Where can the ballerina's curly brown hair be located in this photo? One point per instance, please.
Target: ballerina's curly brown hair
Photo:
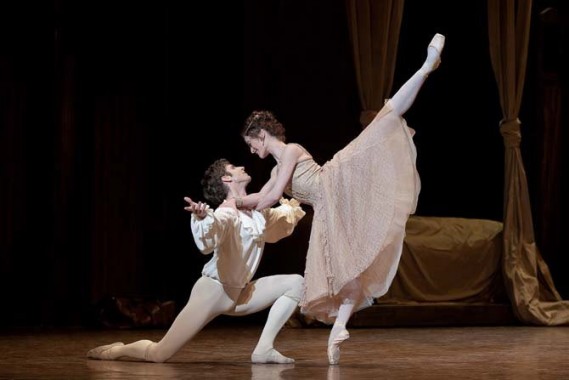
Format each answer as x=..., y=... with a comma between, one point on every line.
x=263, y=120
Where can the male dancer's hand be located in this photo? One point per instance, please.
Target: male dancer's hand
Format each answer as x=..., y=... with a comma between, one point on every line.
x=199, y=209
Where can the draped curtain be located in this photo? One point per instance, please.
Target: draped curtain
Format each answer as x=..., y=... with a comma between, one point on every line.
x=374, y=30
x=551, y=60
x=527, y=277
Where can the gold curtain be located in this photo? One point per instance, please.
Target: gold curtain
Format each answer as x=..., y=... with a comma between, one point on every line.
x=374, y=29
x=527, y=278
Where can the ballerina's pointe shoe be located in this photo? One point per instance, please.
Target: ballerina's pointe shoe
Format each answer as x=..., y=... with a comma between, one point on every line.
x=438, y=42
x=434, y=54
x=334, y=346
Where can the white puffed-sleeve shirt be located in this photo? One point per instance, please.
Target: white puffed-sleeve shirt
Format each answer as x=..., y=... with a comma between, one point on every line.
x=237, y=239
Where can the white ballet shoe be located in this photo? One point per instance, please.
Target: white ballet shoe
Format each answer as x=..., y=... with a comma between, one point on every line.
x=438, y=42
x=434, y=58
x=334, y=346
x=272, y=356
x=101, y=351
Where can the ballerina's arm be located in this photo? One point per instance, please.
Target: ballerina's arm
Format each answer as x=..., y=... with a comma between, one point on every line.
x=273, y=190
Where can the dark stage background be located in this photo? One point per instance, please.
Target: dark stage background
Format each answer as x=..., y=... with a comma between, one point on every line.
x=110, y=112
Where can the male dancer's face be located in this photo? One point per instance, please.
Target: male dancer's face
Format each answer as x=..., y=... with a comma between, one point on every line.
x=238, y=174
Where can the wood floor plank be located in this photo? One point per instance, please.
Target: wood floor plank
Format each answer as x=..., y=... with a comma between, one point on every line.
x=223, y=352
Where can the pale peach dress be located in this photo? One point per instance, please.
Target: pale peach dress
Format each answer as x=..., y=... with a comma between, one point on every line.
x=362, y=199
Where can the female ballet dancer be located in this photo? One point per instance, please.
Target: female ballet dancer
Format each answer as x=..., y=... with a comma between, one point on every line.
x=362, y=199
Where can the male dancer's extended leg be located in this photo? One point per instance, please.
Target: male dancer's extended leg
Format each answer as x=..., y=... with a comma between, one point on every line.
x=207, y=300
x=283, y=292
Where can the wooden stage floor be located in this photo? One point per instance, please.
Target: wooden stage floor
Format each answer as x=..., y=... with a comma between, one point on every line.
x=222, y=352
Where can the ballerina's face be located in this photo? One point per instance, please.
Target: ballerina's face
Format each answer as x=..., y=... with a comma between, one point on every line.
x=257, y=145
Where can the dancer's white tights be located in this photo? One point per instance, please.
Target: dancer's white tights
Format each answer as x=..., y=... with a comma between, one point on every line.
x=338, y=334
x=405, y=96
x=210, y=299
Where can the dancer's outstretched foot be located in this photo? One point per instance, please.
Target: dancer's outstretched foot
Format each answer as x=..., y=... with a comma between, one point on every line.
x=338, y=335
x=438, y=42
x=102, y=352
x=271, y=356
x=434, y=52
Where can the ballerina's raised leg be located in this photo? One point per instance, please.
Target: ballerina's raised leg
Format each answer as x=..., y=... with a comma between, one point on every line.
x=405, y=96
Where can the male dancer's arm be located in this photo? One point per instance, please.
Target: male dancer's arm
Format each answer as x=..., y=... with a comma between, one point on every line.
x=210, y=227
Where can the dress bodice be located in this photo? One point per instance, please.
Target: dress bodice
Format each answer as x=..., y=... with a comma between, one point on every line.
x=305, y=182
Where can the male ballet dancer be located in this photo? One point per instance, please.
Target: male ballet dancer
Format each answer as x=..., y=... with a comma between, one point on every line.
x=237, y=239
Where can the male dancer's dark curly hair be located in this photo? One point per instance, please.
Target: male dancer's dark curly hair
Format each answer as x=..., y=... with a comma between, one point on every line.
x=214, y=190
x=263, y=120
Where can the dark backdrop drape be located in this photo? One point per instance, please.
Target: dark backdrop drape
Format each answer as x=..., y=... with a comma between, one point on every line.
x=104, y=106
